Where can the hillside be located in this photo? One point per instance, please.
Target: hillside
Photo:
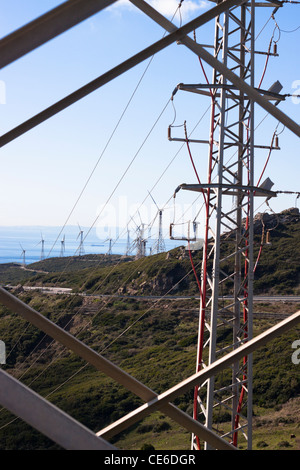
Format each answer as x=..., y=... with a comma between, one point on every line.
x=278, y=270
x=152, y=339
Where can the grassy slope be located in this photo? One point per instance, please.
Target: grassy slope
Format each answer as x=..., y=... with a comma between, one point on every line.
x=159, y=349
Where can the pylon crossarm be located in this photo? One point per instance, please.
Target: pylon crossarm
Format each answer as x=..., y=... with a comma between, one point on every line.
x=229, y=189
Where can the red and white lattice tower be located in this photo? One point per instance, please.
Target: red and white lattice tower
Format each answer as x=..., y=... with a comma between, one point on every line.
x=229, y=194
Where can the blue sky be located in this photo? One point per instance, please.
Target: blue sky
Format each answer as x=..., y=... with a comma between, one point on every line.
x=44, y=171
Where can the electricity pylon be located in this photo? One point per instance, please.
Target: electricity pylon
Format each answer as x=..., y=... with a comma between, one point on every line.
x=159, y=245
x=230, y=174
x=140, y=241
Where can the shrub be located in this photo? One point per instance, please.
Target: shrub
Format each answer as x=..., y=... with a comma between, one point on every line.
x=282, y=444
x=147, y=447
x=143, y=428
x=261, y=444
x=164, y=426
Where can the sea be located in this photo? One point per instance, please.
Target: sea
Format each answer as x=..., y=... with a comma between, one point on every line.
x=26, y=245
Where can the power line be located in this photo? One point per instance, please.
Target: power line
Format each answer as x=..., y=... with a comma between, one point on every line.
x=109, y=140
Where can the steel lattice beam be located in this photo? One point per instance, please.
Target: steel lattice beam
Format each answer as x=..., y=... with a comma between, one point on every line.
x=175, y=35
x=107, y=367
x=47, y=418
x=154, y=401
x=216, y=64
x=161, y=400
x=102, y=80
x=47, y=27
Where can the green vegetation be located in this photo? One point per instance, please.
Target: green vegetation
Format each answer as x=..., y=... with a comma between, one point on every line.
x=154, y=340
x=159, y=349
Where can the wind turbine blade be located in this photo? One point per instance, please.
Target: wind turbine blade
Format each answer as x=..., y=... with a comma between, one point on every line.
x=140, y=217
x=133, y=221
x=153, y=199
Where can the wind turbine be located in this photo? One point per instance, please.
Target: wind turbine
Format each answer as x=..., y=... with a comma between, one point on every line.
x=128, y=245
x=109, y=239
x=80, y=248
x=62, y=247
x=23, y=255
x=43, y=245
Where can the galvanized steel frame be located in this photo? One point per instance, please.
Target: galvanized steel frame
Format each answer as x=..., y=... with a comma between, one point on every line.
x=232, y=121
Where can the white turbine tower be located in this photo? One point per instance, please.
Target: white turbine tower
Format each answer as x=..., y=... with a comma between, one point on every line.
x=128, y=244
x=109, y=239
x=42, y=248
x=80, y=248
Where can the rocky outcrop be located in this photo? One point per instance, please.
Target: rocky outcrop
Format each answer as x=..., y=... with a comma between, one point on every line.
x=271, y=221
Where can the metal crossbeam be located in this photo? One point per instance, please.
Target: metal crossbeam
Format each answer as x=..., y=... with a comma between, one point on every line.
x=153, y=401
x=107, y=367
x=175, y=35
x=160, y=401
x=47, y=27
x=219, y=66
x=47, y=418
